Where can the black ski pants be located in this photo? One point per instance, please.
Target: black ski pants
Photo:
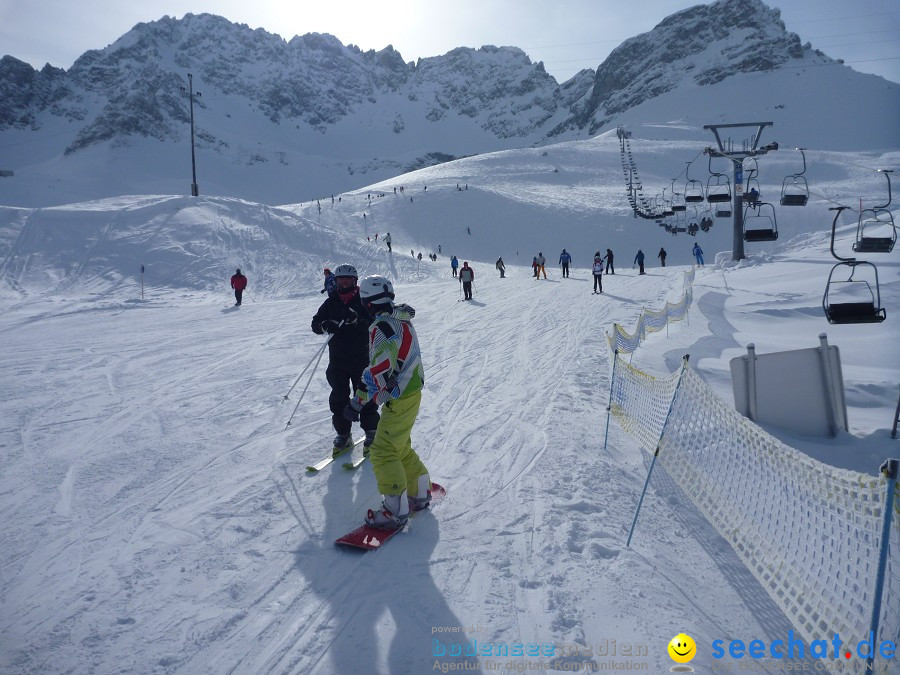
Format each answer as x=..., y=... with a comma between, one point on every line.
x=341, y=378
x=598, y=283
x=565, y=270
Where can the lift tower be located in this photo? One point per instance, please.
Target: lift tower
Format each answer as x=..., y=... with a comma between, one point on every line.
x=750, y=148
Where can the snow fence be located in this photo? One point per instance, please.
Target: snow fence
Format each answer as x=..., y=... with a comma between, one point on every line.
x=810, y=533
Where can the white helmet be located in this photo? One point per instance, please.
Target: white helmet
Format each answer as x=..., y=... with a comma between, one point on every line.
x=346, y=270
x=375, y=289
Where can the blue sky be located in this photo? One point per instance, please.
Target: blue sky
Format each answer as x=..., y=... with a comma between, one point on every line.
x=567, y=35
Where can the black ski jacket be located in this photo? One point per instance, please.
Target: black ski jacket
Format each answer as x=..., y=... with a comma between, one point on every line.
x=350, y=345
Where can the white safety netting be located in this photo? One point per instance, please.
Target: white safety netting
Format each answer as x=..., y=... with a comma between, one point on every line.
x=651, y=321
x=810, y=533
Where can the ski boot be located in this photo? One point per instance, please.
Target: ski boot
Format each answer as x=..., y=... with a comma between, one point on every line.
x=390, y=516
x=423, y=498
x=370, y=438
x=341, y=443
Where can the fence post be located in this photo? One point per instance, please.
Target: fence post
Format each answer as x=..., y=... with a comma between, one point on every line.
x=889, y=469
x=612, y=383
x=662, y=433
x=751, y=382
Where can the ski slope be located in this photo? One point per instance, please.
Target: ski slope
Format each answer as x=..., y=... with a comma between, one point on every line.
x=154, y=508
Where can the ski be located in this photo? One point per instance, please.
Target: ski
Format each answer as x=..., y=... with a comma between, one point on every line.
x=318, y=466
x=370, y=538
x=356, y=462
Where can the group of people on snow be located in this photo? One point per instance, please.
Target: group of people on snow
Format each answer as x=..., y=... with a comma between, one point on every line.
x=374, y=360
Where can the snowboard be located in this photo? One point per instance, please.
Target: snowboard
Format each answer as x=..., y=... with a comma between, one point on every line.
x=370, y=538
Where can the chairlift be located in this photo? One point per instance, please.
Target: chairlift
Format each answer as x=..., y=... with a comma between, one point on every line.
x=678, y=202
x=723, y=211
x=693, y=189
x=760, y=223
x=718, y=186
x=794, y=188
x=876, y=232
x=752, y=189
x=851, y=300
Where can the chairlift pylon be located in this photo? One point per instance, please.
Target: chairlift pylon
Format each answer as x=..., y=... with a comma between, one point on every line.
x=857, y=302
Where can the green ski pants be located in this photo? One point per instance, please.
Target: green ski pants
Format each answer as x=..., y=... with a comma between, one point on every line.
x=396, y=465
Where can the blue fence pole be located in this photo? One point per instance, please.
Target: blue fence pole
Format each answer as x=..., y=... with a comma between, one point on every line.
x=656, y=452
x=889, y=469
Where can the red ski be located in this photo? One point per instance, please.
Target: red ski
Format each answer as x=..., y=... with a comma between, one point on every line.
x=370, y=538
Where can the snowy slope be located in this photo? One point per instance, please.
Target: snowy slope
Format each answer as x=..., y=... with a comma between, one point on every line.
x=156, y=515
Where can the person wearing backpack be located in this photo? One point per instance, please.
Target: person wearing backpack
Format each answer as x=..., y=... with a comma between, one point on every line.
x=598, y=273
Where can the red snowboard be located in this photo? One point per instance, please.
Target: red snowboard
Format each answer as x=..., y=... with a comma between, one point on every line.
x=370, y=538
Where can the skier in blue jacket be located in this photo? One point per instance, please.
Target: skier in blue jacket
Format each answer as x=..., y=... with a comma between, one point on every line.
x=564, y=259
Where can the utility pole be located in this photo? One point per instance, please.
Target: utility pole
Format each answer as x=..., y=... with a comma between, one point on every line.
x=751, y=149
x=195, y=190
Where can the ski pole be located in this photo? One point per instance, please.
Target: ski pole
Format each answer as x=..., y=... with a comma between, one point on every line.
x=321, y=349
x=303, y=393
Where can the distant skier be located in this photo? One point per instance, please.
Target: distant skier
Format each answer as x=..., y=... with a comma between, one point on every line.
x=598, y=272
x=394, y=377
x=639, y=259
x=419, y=256
x=348, y=350
x=609, y=261
x=387, y=240
x=564, y=259
x=698, y=254
x=534, y=267
x=238, y=283
x=501, y=267
x=541, y=261
x=466, y=277
x=454, y=263
x=662, y=256
x=330, y=284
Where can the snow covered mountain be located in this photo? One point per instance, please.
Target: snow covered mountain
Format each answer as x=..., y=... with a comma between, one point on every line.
x=281, y=121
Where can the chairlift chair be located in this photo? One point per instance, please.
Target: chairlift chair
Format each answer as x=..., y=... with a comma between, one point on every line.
x=678, y=202
x=760, y=223
x=856, y=302
x=874, y=222
x=693, y=191
x=794, y=188
x=851, y=300
x=876, y=232
x=752, y=189
x=718, y=189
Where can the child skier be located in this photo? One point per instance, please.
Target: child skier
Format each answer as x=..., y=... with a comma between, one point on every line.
x=394, y=378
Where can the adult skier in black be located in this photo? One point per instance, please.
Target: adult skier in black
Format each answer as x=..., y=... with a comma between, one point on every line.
x=348, y=354
x=609, y=261
x=662, y=256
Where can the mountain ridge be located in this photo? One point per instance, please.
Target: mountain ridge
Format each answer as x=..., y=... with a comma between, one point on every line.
x=328, y=117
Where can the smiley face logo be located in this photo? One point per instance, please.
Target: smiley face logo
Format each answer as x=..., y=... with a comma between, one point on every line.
x=682, y=648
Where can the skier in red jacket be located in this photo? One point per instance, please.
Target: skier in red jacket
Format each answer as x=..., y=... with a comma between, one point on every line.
x=238, y=283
